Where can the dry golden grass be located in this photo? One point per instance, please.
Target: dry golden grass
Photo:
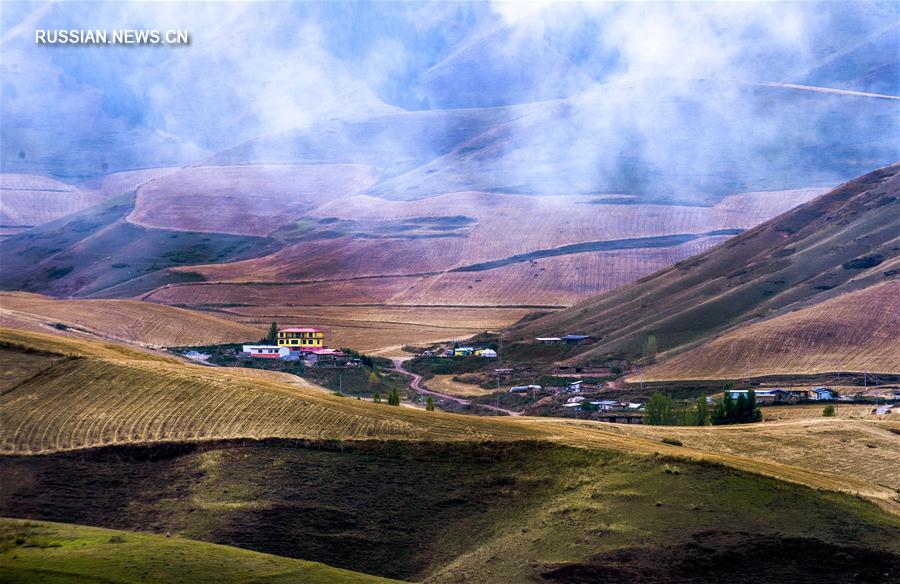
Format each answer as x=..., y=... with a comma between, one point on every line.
x=446, y=384
x=852, y=332
x=865, y=450
x=124, y=320
x=16, y=367
x=814, y=411
x=117, y=394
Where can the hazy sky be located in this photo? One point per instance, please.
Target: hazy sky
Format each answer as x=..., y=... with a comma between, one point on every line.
x=258, y=68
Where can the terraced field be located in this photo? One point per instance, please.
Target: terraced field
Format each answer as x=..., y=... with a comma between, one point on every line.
x=554, y=281
x=113, y=394
x=853, y=332
x=124, y=320
x=499, y=226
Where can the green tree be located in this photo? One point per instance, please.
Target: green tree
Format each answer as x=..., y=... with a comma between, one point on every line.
x=650, y=348
x=376, y=398
x=394, y=397
x=724, y=412
x=373, y=378
x=753, y=412
x=429, y=404
x=701, y=412
x=740, y=411
x=659, y=411
x=828, y=412
x=272, y=335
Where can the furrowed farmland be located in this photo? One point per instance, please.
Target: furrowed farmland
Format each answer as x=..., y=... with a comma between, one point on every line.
x=136, y=322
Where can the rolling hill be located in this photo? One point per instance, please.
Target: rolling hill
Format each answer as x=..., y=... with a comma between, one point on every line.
x=856, y=331
x=95, y=394
x=131, y=321
x=36, y=551
x=214, y=454
x=842, y=241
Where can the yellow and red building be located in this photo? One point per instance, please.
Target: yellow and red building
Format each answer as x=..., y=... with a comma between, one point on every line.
x=298, y=337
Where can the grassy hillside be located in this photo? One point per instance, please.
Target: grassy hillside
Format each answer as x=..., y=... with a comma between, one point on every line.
x=461, y=512
x=856, y=331
x=842, y=241
x=123, y=320
x=37, y=551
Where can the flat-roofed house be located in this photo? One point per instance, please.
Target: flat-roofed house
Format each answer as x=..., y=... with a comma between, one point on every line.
x=300, y=336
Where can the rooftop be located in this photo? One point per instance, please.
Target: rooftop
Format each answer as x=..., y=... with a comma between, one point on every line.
x=300, y=329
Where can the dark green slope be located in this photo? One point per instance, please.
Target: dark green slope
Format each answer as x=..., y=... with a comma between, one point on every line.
x=477, y=512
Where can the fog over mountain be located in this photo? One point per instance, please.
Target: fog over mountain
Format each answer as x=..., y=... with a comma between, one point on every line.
x=642, y=98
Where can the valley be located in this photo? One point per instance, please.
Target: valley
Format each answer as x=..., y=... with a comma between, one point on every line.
x=450, y=293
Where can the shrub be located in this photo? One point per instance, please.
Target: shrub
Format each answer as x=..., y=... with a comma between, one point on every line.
x=828, y=412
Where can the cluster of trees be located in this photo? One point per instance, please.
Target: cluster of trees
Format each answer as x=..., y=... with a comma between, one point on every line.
x=662, y=410
x=393, y=397
x=742, y=410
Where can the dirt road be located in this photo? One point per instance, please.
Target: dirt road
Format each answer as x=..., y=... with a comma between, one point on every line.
x=417, y=384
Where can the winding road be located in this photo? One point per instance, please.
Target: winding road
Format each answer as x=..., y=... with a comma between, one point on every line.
x=417, y=384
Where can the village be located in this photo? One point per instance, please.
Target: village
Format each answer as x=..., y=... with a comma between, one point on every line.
x=593, y=393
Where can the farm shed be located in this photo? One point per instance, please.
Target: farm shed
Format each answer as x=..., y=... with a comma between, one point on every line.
x=778, y=395
x=821, y=393
x=264, y=351
x=548, y=340
x=577, y=339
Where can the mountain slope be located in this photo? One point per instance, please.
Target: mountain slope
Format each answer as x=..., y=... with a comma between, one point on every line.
x=856, y=331
x=845, y=240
